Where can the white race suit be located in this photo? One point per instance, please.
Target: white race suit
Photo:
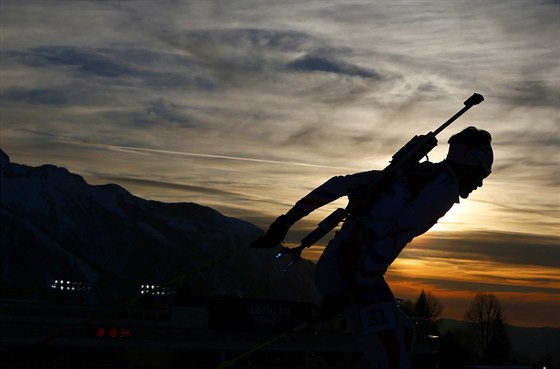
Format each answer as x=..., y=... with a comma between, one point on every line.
x=366, y=245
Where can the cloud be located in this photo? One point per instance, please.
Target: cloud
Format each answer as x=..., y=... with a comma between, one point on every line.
x=128, y=66
x=312, y=63
x=38, y=96
x=258, y=64
x=170, y=185
x=504, y=247
x=504, y=262
x=160, y=110
x=264, y=58
x=484, y=285
x=240, y=47
x=340, y=84
x=535, y=93
x=220, y=157
x=83, y=60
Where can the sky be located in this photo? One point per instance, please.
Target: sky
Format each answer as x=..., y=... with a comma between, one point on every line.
x=246, y=106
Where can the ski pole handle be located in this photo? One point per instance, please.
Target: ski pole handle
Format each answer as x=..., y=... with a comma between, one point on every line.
x=324, y=227
x=295, y=252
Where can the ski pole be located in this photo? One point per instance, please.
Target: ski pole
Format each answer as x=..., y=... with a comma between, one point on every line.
x=261, y=346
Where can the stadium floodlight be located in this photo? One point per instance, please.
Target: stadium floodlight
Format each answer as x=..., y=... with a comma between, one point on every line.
x=67, y=285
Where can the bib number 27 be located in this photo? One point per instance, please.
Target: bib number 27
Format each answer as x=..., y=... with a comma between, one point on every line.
x=378, y=317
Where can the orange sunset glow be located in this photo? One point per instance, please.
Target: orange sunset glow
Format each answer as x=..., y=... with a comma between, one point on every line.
x=456, y=280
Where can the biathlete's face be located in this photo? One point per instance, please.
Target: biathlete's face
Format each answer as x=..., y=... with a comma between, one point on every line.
x=471, y=179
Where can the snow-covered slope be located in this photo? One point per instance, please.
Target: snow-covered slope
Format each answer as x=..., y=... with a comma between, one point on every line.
x=55, y=226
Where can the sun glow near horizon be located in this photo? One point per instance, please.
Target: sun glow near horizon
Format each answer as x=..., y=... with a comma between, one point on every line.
x=446, y=264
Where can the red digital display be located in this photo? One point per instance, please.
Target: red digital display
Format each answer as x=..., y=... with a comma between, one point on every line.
x=112, y=332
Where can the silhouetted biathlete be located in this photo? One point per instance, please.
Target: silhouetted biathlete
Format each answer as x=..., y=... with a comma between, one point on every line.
x=350, y=272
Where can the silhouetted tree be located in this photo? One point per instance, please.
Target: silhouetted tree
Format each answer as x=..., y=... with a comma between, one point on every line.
x=486, y=317
x=454, y=352
x=499, y=348
x=428, y=306
x=407, y=307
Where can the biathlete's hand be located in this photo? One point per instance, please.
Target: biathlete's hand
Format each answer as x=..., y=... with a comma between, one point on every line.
x=275, y=234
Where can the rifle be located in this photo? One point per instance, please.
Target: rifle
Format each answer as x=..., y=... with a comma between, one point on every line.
x=407, y=156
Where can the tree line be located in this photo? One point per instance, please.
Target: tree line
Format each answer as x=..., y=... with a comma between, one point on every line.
x=484, y=340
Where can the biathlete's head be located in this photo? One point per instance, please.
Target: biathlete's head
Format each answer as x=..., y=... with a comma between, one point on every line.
x=470, y=156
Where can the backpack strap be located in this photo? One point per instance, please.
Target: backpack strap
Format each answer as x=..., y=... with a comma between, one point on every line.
x=420, y=176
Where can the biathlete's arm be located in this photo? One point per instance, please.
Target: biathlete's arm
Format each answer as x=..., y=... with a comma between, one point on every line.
x=329, y=191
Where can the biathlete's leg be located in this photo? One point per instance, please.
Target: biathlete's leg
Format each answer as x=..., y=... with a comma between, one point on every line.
x=384, y=348
x=408, y=331
x=327, y=276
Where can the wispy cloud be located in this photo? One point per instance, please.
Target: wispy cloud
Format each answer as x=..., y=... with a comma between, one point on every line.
x=505, y=247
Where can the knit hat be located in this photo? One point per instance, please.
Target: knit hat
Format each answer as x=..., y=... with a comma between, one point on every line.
x=468, y=155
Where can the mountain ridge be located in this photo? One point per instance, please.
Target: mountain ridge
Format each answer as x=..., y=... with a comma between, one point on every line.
x=62, y=228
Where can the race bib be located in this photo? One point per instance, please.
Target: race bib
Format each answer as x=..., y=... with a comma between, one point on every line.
x=378, y=317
